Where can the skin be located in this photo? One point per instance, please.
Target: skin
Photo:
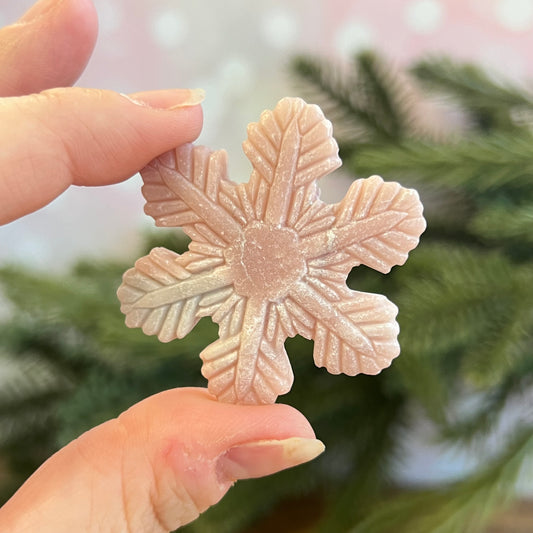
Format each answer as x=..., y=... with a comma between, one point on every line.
x=170, y=457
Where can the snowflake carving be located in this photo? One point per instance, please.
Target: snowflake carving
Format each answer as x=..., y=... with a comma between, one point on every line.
x=269, y=260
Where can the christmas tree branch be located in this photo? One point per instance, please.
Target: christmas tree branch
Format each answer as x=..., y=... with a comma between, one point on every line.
x=464, y=506
x=478, y=165
x=490, y=102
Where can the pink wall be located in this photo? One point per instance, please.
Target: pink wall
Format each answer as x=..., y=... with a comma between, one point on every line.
x=238, y=50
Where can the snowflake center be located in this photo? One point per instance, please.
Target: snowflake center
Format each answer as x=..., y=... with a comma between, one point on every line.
x=266, y=261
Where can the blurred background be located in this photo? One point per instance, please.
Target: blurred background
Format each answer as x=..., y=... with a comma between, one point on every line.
x=240, y=52
x=433, y=93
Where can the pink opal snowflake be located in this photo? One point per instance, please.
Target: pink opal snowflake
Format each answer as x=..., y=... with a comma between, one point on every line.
x=269, y=260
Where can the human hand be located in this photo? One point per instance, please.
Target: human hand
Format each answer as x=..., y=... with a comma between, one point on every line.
x=53, y=136
x=170, y=457
x=158, y=465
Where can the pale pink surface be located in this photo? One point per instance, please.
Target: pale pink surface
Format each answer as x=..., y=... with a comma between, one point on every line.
x=238, y=52
x=496, y=33
x=269, y=260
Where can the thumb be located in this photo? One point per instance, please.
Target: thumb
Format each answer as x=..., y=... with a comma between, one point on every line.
x=159, y=465
x=80, y=136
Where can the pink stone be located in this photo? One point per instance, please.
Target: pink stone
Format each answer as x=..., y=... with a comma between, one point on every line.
x=269, y=260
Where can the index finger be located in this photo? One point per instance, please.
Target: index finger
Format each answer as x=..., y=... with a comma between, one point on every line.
x=85, y=137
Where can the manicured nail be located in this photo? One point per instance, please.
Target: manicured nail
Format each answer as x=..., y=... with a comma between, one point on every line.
x=167, y=99
x=195, y=97
x=257, y=459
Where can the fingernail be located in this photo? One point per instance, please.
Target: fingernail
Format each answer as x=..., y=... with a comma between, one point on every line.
x=257, y=459
x=195, y=97
x=167, y=99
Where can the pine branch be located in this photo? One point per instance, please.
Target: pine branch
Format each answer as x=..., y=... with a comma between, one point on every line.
x=353, y=100
x=57, y=299
x=59, y=347
x=464, y=506
x=451, y=299
x=490, y=102
x=471, y=428
x=382, y=94
x=171, y=238
x=502, y=223
x=27, y=377
x=80, y=313
x=502, y=162
x=457, y=298
x=373, y=456
x=22, y=421
x=507, y=342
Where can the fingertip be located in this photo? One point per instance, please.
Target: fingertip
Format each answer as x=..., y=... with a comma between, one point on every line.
x=83, y=29
x=49, y=46
x=226, y=424
x=70, y=32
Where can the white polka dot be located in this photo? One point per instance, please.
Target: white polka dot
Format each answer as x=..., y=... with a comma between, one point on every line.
x=110, y=16
x=169, y=28
x=235, y=76
x=424, y=16
x=279, y=28
x=354, y=37
x=515, y=15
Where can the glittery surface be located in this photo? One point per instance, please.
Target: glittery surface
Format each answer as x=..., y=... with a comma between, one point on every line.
x=269, y=260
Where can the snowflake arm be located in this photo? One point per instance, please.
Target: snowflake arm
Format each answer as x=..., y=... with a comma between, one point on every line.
x=377, y=224
x=354, y=332
x=289, y=148
x=165, y=292
x=183, y=188
x=245, y=365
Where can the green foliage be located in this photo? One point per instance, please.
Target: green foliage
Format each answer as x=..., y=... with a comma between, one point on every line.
x=464, y=506
x=365, y=104
x=489, y=102
x=70, y=363
x=480, y=166
x=466, y=316
x=466, y=294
